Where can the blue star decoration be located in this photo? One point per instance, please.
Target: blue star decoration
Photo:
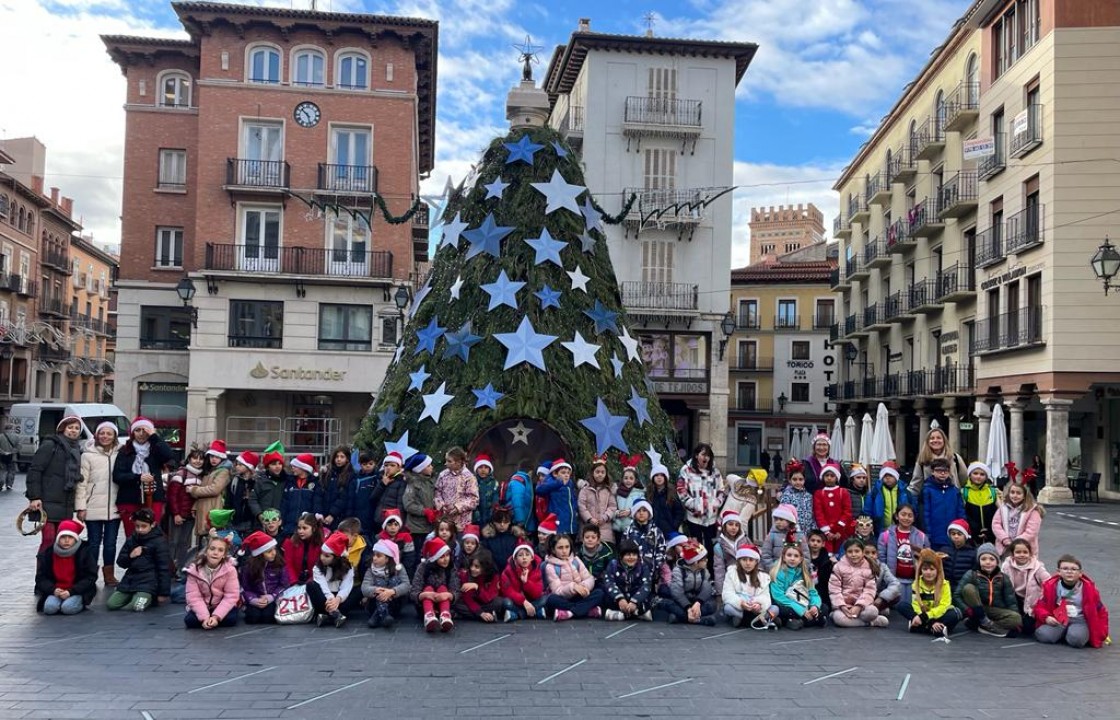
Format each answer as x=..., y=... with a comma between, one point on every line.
x=640, y=406
x=418, y=378
x=386, y=420
x=487, y=237
x=419, y=298
x=502, y=291
x=606, y=428
x=487, y=397
x=546, y=248
x=426, y=338
x=522, y=150
x=592, y=218
x=548, y=297
x=560, y=151
x=560, y=193
x=437, y=207
x=460, y=342
x=495, y=189
x=604, y=318
x=401, y=446
x=434, y=402
x=617, y=365
x=525, y=345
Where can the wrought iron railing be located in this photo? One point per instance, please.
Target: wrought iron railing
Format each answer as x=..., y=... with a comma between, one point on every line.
x=245, y=172
x=642, y=110
x=1009, y=331
x=660, y=295
x=347, y=178
x=331, y=262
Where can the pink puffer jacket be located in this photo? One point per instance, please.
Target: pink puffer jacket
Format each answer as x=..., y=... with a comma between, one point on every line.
x=851, y=584
x=215, y=596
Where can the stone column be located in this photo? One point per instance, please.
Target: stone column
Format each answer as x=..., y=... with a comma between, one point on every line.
x=922, y=406
x=1057, y=490
x=984, y=422
x=899, y=432
x=1015, y=445
x=954, y=428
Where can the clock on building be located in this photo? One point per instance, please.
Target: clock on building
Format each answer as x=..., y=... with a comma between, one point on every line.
x=307, y=114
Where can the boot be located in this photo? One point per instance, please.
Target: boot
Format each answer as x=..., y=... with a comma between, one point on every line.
x=107, y=576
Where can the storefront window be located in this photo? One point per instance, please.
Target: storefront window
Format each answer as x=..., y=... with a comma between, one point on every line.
x=345, y=327
x=748, y=445
x=256, y=324
x=655, y=354
x=682, y=357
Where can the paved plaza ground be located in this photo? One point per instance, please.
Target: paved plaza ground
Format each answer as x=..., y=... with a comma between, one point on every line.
x=123, y=666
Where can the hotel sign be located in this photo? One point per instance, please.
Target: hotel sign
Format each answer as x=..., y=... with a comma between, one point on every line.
x=278, y=372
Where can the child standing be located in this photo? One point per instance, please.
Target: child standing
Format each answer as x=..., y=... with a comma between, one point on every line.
x=66, y=572
x=519, y=498
x=489, y=490
x=1070, y=609
x=360, y=490
x=746, y=591
x=268, y=489
x=1018, y=516
x=571, y=586
x=597, y=504
x=832, y=508
x=331, y=589
x=480, y=596
x=791, y=589
x=388, y=493
x=301, y=550
x=181, y=507
x=857, y=489
x=821, y=562
x=628, y=493
x=960, y=556
x=593, y=552
x=456, y=493
x=336, y=486
x=980, y=499
x=795, y=495
x=931, y=607
x=385, y=586
x=745, y=492
x=691, y=588
x=986, y=597
x=1027, y=575
x=221, y=525
x=647, y=535
x=302, y=494
x=212, y=588
x=500, y=537
x=560, y=492
x=852, y=590
x=523, y=585
x=941, y=502
x=888, y=589
x=420, y=495
x=727, y=543
x=628, y=584
x=783, y=531
x=899, y=545
x=668, y=512
x=147, y=563
x=263, y=579
x=885, y=497
x=436, y=586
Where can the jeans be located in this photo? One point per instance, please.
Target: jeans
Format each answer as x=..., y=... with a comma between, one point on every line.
x=257, y=615
x=70, y=606
x=103, y=534
x=707, y=609
x=519, y=610
x=578, y=606
x=193, y=623
x=7, y=471
x=179, y=541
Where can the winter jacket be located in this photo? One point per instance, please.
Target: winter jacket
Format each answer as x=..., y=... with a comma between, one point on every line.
x=336, y=493
x=596, y=563
x=238, y=493
x=275, y=579
x=358, y=552
x=500, y=545
x=268, y=491
x=561, y=502
x=405, y=543
x=489, y=490
x=419, y=494
x=888, y=588
x=178, y=501
x=736, y=591
x=562, y=576
x=46, y=480
x=851, y=585
x=300, y=496
x=96, y=492
x=635, y=584
x=787, y=590
x=690, y=585
x=85, y=574
x=398, y=582
x=597, y=506
x=150, y=572
x=332, y=583
x=359, y=502
x=941, y=505
x=924, y=602
x=1030, y=523
x=650, y=541
x=995, y=590
x=859, y=500
x=742, y=497
x=1027, y=581
x=957, y=562
x=803, y=501
x=888, y=547
x=215, y=596
x=723, y=557
x=518, y=591
x=813, y=468
x=456, y=496
x=702, y=493
x=128, y=482
x=388, y=497
x=668, y=516
x=519, y=496
x=832, y=513
x=625, y=502
x=433, y=575
x=980, y=504
x=484, y=594
x=208, y=495
x=876, y=504
x=1096, y=614
x=821, y=565
x=300, y=558
x=958, y=471
x=772, y=547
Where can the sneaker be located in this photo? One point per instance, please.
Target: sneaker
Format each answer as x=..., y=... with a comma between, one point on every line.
x=388, y=621
x=707, y=621
x=990, y=628
x=375, y=621
x=562, y=615
x=795, y=623
x=430, y=622
x=320, y=619
x=614, y=616
x=511, y=616
x=140, y=604
x=881, y=621
x=672, y=619
x=339, y=619
x=595, y=613
x=647, y=616
x=445, y=622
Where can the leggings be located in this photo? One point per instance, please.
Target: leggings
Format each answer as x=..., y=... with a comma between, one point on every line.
x=866, y=615
x=430, y=607
x=193, y=623
x=1076, y=634
x=260, y=616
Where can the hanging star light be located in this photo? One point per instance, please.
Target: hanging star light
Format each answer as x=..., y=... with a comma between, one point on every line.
x=487, y=397
x=502, y=291
x=582, y=351
x=560, y=193
x=522, y=150
x=401, y=446
x=487, y=237
x=434, y=403
x=452, y=231
x=459, y=343
x=579, y=280
x=606, y=428
x=630, y=343
x=640, y=406
x=426, y=338
x=548, y=297
x=604, y=319
x=520, y=433
x=495, y=189
x=418, y=378
x=525, y=345
x=386, y=419
x=546, y=249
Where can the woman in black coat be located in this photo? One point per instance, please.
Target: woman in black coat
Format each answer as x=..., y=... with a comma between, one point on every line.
x=53, y=477
x=140, y=464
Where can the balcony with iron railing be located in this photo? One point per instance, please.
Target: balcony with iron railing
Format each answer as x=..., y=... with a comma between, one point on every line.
x=28, y=288
x=672, y=205
x=878, y=191
x=950, y=380
x=963, y=107
x=842, y=226
x=352, y=263
x=571, y=124
x=923, y=219
x=347, y=179
x=989, y=246
x=663, y=296
x=748, y=321
x=1024, y=230
x=959, y=195
x=787, y=323
x=875, y=253
x=923, y=298
x=929, y=139
x=896, y=306
x=54, y=307
x=86, y=322
x=1028, y=135
x=56, y=259
x=748, y=405
x=854, y=269
x=956, y=282
x=992, y=165
x=853, y=325
x=46, y=353
x=258, y=175
x=903, y=167
x=858, y=210
x=837, y=280
x=1014, y=330
x=746, y=362
x=824, y=320
x=874, y=317
x=685, y=116
x=835, y=332
x=898, y=236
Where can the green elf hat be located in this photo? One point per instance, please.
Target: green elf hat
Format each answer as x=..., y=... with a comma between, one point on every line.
x=277, y=447
x=270, y=514
x=219, y=519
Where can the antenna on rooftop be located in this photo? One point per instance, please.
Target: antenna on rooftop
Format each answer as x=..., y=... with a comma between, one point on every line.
x=651, y=20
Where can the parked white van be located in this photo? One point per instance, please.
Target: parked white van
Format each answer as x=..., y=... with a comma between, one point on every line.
x=34, y=421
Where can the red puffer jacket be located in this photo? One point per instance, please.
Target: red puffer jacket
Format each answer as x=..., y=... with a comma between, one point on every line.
x=486, y=592
x=516, y=590
x=1096, y=614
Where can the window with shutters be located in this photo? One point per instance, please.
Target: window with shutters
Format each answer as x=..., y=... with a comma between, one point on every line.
x=660, y=169
x=657, y=261
x=662, y=83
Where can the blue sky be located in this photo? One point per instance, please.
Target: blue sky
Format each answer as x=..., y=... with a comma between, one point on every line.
x=825, y=73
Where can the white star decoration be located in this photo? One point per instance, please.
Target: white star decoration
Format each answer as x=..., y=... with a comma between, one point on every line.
x=452, y=231
x=401, y=446
x=560, y=193
x=579, y=280
x=582, y=351
x=495, y=189
x=630, y=343
x=520, y=433
x=456, y=287
x=654, y=456
x=434, y=402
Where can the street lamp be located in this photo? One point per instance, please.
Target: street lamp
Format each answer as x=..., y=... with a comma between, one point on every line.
x=185, y=290
x=782, y=400
x=727, y=327
x=1105, y=264
x=401, y=298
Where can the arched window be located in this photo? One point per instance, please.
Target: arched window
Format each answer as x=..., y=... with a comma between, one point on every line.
x=912, y=136
x=941, y=111
x=889, y=169
x=264, y=64
x=352, y=72
x=309, y=68
x=175, y=90
x=972, y=81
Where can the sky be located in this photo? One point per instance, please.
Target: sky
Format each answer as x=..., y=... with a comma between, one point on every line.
x=825, y=72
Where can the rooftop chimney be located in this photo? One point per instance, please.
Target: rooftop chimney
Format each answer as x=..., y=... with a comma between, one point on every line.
x=584, y=25
x=68, y=206
x=54, y=196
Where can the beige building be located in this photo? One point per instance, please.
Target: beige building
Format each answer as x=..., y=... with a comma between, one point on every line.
x=92, y=336
x=964, y=279
x=784, y=230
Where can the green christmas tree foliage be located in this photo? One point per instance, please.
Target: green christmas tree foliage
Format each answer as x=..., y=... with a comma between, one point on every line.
x=454, y=379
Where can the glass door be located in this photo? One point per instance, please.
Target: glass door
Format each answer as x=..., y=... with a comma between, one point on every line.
x=263, y=159
x=352, y=171
x=348, y=255
x=260, y=248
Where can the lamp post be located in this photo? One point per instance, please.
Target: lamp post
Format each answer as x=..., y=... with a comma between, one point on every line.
x=727, y=327
x=185, y=290
x=401, y=298
x=1105, y=263
x=782, y=400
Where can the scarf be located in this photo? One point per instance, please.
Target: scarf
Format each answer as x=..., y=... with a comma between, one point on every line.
x=73, y=461
x=140, y=463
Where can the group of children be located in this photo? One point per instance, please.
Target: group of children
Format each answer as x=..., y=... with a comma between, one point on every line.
x=383, y=541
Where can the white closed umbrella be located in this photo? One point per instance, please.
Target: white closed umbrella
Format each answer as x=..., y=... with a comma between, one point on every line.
x=802, y=443
x=794, y=444
x=867, y=431
x=837, y=439
x=849, y=452
x=997, y=444
x=882, y=449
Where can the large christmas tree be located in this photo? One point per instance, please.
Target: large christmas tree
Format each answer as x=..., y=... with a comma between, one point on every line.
x=517, y=344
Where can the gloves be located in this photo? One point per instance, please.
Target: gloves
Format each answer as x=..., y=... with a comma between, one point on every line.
x=431, y=515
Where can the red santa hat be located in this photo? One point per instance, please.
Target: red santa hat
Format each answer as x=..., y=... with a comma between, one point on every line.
x=560, y=463
x=305, y=462
x=389, y=549
x=434, y=549
x=730, y=515
x=389, y=514
x=272, y=457
x=747, y=550
x=550, y=525
x=960, y=525
x=70, y=528
x=335, y=544
x=523, y=546
x=831, y=467
x=693, y=552
x=483, y=460
x=249, y=459
x=258, y=543
x=470, y=531
x=393, y=457
x=142, y=422
x=217, y=449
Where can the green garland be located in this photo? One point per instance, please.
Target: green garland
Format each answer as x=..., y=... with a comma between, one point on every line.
x=354, y=212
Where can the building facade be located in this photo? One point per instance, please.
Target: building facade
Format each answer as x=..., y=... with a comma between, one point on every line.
x=784, y=230
x=655, y=117
x=93, y=340
x=780, y=359
x=1004, y=184
x=253, y=151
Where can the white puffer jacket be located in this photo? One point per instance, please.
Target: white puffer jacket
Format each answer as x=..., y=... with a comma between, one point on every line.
x=736, y=591
x=96, y=492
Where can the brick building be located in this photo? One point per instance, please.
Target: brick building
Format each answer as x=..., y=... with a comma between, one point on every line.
x=784, y=230
x=293, y=323
x=92, y=336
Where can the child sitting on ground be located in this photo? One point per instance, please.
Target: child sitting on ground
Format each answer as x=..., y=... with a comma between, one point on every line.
x=212, y=589
x=822, y=563
x=435, y=586
x=1027, y=575
x=783, y=531
x=147, y=563
x=264, y=577
x=301, y=550
x=986, y=597
x=480, y=596
x=593, y=552
x=66, y=572
x=523, y=585
x=573, y=591
x=664, y=576
x=852, y=590
x=791, y=589
x=691, y=588
x=628, y=584
x=746, y=591
x=1070, y=608
x=960, y=556
x=888, y=589
x=331, y=589
x=385, y=585
x=931, y=607
x=357, y=551
x=501, y=536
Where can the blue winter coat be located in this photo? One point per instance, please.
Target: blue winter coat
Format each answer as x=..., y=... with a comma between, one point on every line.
x=667, y=516
x=335, y=496
x=958, y=562
x=562, y=502
x=360, y=502
x=874, y=504
x=297, y=500
x=941, y=505
x=519, y=495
